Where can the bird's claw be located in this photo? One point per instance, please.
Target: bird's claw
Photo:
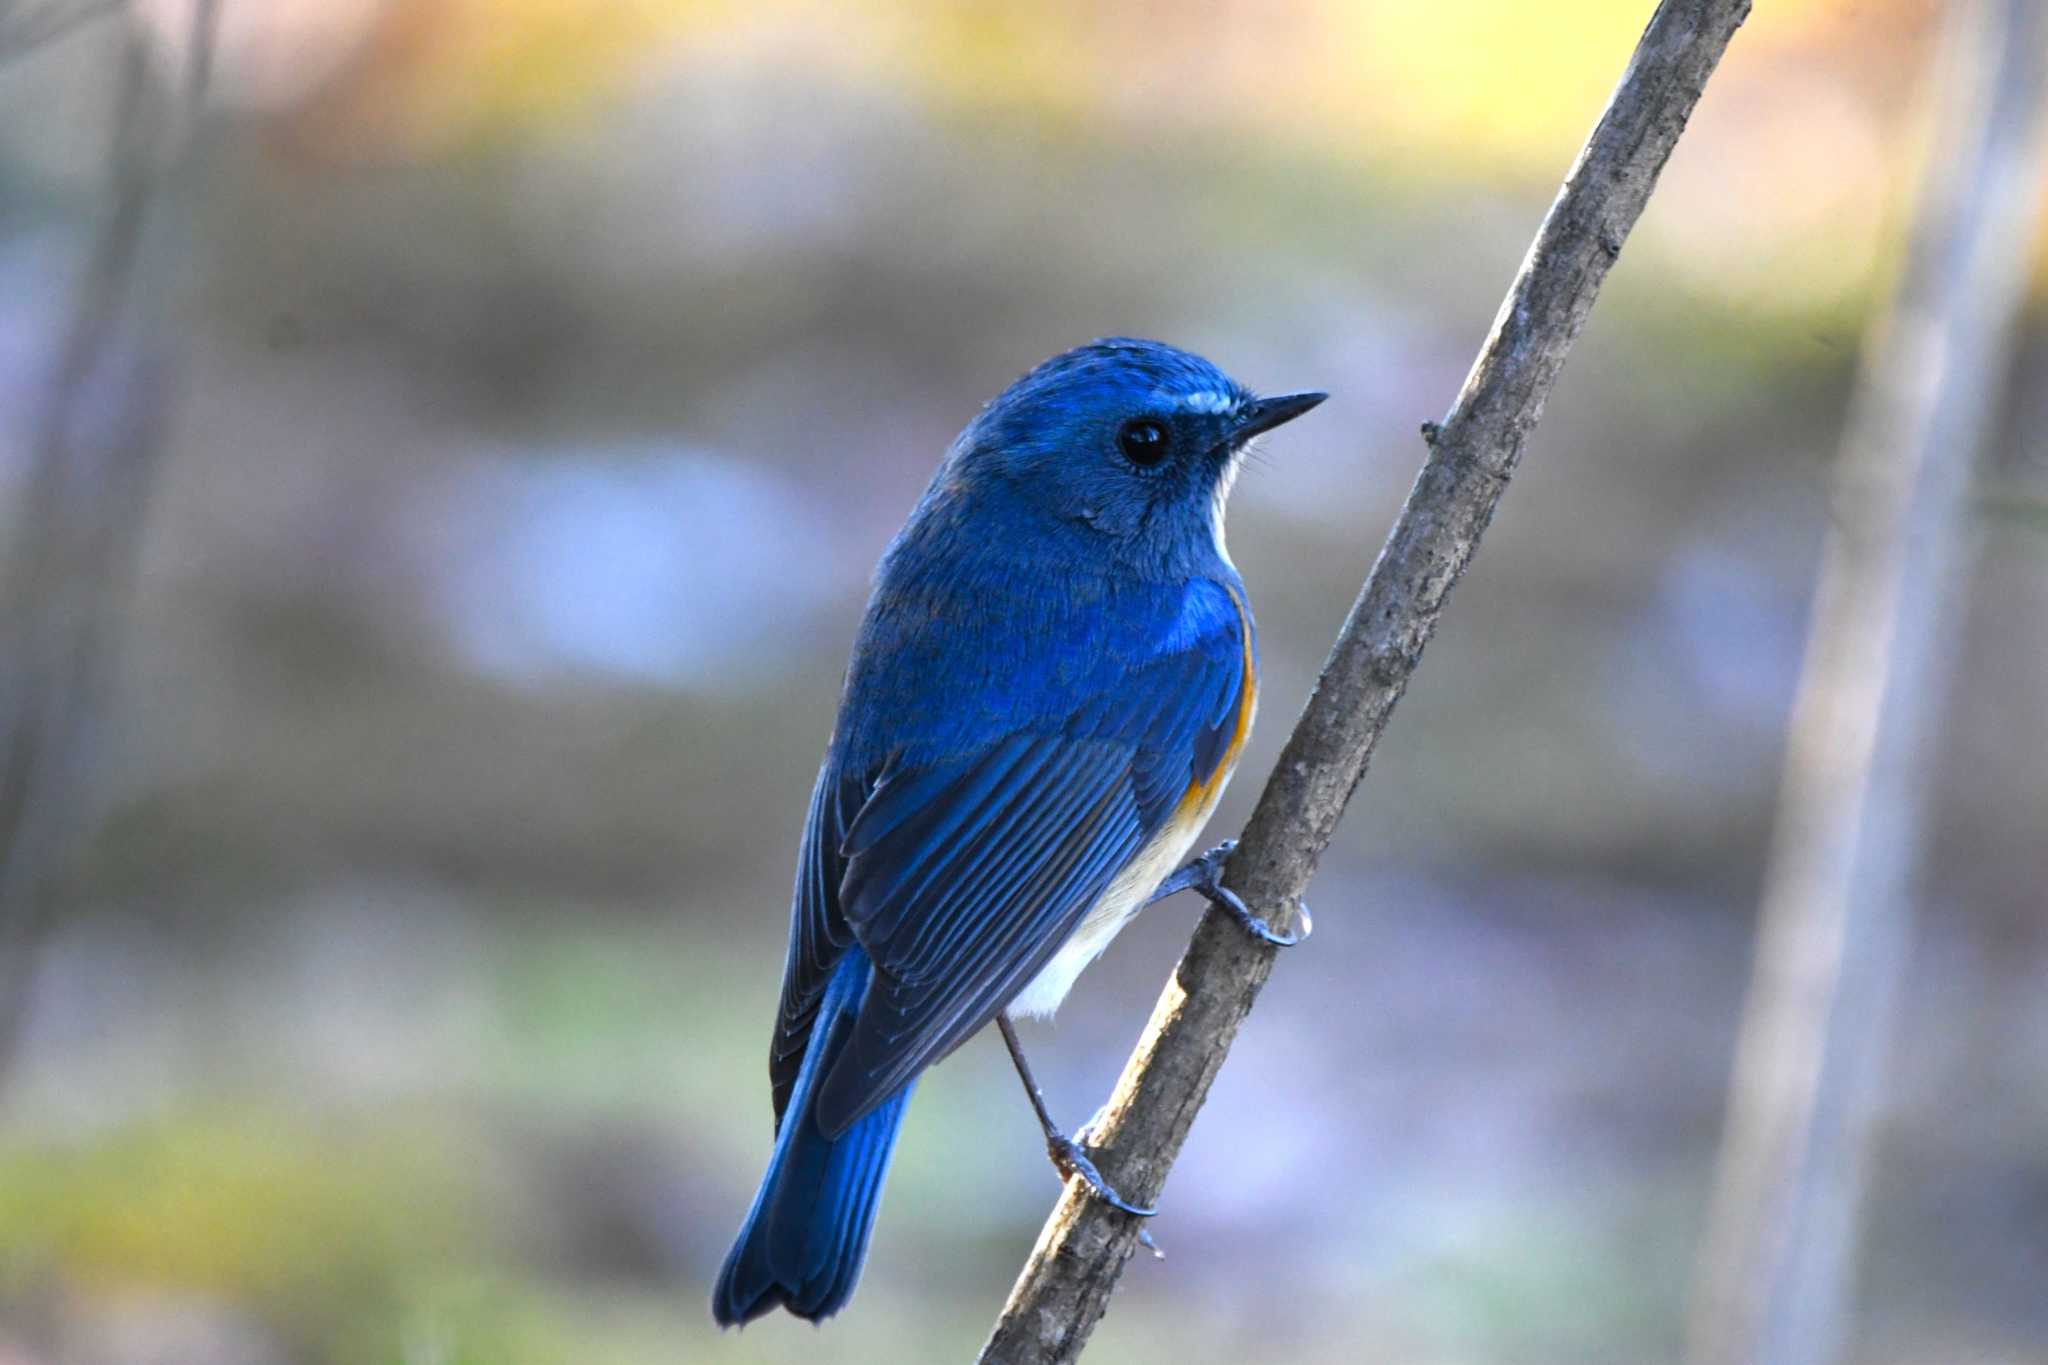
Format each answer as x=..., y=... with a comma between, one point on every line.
x=1252, y=924
x=1084, y=1136
x=1071, y=1160
x=1205, y=875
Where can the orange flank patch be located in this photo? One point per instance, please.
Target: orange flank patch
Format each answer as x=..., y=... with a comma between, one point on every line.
x=1201, y=797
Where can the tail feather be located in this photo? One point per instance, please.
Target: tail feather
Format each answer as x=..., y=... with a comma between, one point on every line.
x=806, y=1235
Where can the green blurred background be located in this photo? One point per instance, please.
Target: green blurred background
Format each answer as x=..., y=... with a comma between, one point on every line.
x=551, y=375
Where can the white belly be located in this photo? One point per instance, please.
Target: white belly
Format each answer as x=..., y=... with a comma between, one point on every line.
x=1111, y=911
x=1153, y=864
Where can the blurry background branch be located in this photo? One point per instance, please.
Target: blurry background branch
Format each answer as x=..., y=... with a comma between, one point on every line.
x=78, y=529
x=1853, y=820
x=24, y=28
x=1065, y=1286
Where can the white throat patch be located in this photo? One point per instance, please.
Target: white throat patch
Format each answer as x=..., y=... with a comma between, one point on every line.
x=1219, y=502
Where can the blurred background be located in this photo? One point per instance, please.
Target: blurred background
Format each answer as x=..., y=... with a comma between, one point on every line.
x=538, y=382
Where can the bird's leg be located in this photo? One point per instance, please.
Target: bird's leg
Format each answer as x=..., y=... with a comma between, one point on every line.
x=1068, y=1158
x=1205, y=875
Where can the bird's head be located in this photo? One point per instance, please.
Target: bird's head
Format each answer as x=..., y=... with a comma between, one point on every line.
x=1133, y=441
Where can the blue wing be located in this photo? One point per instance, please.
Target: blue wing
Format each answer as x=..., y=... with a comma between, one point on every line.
x=961, y=878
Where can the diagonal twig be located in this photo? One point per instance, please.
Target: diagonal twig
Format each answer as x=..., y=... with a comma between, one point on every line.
x=1064, y=1288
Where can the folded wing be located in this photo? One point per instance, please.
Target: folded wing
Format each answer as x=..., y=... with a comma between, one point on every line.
x=960, y=879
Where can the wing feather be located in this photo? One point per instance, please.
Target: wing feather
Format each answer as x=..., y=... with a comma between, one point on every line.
x=818, y=934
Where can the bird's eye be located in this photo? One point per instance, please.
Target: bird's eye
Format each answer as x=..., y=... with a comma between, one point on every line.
x=1144, y=442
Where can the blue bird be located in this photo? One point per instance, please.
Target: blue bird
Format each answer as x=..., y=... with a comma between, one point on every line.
x=1053, y=681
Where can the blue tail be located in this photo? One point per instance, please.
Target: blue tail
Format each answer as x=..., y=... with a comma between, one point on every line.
x=802, y=1245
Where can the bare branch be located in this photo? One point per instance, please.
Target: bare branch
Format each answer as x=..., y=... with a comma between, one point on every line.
x=1778, y=1266
x=1065, y=1286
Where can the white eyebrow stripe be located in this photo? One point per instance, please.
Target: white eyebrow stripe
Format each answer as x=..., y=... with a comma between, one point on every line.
x=1208, y=400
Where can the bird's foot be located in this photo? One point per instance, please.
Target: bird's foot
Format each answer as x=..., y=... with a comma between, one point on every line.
x=1205, y=876
x=1084, y=1137
x=1070, y=1159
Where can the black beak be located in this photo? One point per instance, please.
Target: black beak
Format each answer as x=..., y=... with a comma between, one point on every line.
x=1263, y=414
